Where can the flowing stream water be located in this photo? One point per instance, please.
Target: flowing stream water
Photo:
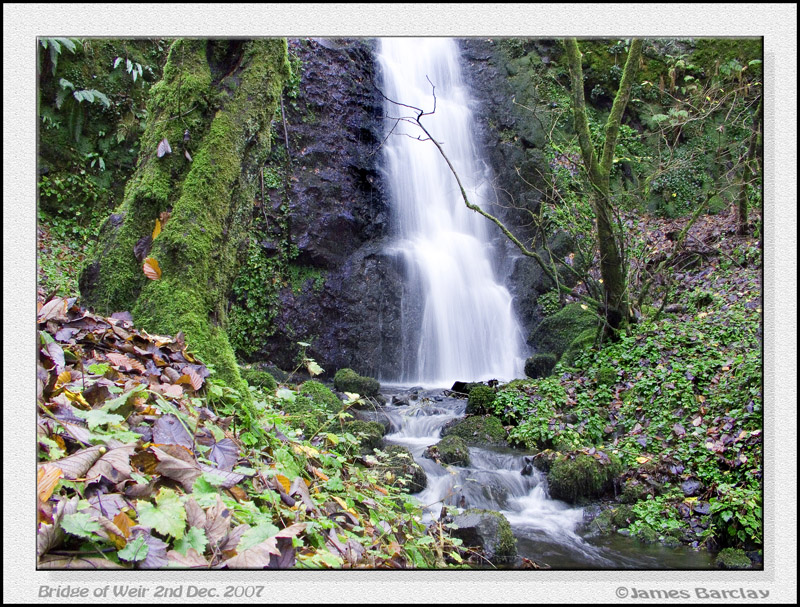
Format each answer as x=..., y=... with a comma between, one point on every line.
x=459, y=322
x=548, y=531
x=465, y=325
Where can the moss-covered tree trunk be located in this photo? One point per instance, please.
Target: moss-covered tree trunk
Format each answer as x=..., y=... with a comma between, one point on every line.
x=599, y=170
x=214, y=106
x=748, y=173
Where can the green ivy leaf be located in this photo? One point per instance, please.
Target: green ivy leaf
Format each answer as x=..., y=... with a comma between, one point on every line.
x=194, y=538
x=135, y=550
x=256, y=535
x=168, y=517
x=80, y=524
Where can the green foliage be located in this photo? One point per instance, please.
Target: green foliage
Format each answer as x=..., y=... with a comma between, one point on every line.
x=549, y=302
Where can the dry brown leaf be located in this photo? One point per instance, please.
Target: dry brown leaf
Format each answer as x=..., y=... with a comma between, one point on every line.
x=256, y=557
x=126, y=362
x=185, y=473
x=192, y=560
x=218, y=521
x=115, y=465
x=51, y=535
x=75, y=466
x=55, y=309
x=77, y=562
x=151, y=268
x=195, y=516
x=124, y=524
x=292, y=530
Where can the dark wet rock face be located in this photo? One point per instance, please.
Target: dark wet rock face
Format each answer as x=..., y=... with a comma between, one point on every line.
x=337, y=218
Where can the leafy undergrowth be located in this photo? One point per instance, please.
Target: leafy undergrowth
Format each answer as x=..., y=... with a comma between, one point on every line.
x=63, y=242
x=145, y=461
x=678, y=399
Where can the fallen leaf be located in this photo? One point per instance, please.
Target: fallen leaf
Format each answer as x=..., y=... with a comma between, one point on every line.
x=151, y=268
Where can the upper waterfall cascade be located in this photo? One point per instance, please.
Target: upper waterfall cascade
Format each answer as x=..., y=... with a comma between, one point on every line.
x=468, y=329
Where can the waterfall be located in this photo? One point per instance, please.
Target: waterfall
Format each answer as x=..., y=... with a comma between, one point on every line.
x=458, y=319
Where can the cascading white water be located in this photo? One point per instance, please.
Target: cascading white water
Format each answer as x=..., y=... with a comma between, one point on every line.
x=467, y=329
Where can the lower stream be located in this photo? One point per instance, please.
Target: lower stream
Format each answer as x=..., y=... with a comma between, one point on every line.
x=548, y=531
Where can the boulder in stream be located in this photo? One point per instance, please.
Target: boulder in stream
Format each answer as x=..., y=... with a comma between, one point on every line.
x=450, y=450
x=478, y=430
x=397, y=463
x=491, y=532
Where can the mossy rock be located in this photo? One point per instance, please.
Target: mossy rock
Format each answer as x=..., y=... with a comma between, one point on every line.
x=478, y=430
x=450, y=450
x=623, y=515
x=577, y=477
x=584, y=341
x=543, y=460
x=258, y=378
x=369, y=434
x=556, y=333
x=396, y=465
x=347, y=380
x=733, y=558
x=540, y=365
x=490, y=531
x=647, y=535
x=480, y=399
x=322, y=395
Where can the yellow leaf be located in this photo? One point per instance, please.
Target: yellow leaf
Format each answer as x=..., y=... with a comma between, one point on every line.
x=642, y=460
x=63, y=378
x=157, y=229
x=151, y=269
x=309, y=451
x=690, y=500
x=47, y=479
x=341, y=502
x=701, y=398
x=77, y=397
x=285, y=482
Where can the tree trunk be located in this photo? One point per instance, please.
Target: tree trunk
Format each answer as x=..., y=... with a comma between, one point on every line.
x=214, y=106
x=611, y=263
x=748, y=174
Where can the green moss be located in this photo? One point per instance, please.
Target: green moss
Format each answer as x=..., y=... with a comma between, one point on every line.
x=321, y=395
x=578, y=477
x=347, y=380
x=480, y=399
x=492, y=532
x=307, y=415
x=478, y=429
x=451, y=449
x=256, y=377
x=584, y=341
x=709, y=52
x=540, y=365
x=557, y=332
x=210, y=198
x=647, y=535
x=733, y=558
